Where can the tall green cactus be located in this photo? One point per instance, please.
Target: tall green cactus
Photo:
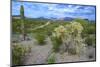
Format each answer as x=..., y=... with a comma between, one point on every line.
x=22, y=22
x=22, y=12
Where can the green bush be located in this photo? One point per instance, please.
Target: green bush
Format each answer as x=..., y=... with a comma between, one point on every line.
x=18, y=52
x=51, y=59
x=90, y=40
x=90, y=29
x=40, y=38
x=56, y=43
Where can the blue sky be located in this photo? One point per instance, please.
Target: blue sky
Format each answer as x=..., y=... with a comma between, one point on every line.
x=35, y=10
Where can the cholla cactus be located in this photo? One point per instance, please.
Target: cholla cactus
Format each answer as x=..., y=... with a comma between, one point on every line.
x=74, y=30
x=58, y=37
x=59, y=32
x=74, y=27
x=69, y=29
x=70, y=35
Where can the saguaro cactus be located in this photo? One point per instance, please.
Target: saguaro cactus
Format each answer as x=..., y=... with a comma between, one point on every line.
x=22, y=22
x=22, y=11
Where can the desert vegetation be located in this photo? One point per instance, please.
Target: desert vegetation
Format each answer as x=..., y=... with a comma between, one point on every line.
x=18, y=53
x=51, y=39
x=72, y=37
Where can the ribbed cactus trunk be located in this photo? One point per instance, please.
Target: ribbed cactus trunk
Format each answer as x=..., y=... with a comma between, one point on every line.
x=22, y=22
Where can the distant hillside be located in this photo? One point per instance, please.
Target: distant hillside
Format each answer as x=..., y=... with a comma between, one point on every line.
x=51, y=18
x=16, y=16
x=67, y=19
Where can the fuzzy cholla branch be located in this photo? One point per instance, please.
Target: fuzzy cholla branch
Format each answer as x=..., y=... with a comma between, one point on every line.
x=59, y=32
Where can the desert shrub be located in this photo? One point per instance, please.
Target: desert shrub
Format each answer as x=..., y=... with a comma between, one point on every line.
x=16, y=26
x=89, y=27
x=56, y=43
x=88, y=30
x=51, y=59
x=18, y=53
x=40, y=38
x=90, y=40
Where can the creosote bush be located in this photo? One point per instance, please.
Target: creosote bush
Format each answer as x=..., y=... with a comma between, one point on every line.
x=90, y=41
x=56, y=43
x=40, y=38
